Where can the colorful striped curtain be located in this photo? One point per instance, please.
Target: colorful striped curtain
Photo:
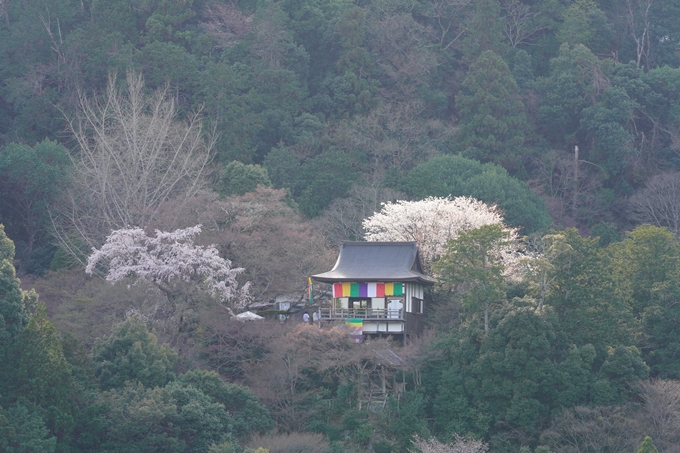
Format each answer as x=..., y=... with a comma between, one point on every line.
x=354, y=289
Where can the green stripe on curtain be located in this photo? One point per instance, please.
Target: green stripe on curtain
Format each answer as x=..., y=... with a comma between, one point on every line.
x=354, y=290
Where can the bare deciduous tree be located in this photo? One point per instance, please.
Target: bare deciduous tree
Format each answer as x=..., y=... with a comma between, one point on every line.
x=599, y=429
x=520, y=23
x=133, y=154
x=271, y=41
x=287, y=379
x=226, y=23
x=395, y=134
x=450, y=17
x=571, y=191
x=661, y=413
x=659, y=202
x=260, y=232
x=621, y=428
x=342, y=221
x=639, y=25
x=459, y=445
x=282, y=381
x=403, y=53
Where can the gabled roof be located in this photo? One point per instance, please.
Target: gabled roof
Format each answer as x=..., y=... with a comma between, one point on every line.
x=248, y=316
x=376, y=262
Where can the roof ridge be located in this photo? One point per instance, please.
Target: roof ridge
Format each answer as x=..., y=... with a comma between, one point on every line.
x=377, y=261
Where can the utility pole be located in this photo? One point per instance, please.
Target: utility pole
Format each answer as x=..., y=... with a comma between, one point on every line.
x=575, y=202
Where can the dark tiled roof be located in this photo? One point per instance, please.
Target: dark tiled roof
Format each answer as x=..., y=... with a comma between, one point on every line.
x=376, y=262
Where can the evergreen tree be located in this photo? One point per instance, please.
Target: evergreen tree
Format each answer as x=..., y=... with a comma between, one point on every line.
x=474, y=263
x=326, y=177
x=606, y=124
x=170, y=419
x=569, y=89
x=283, y=168
x=522, y=372
x=647, y=446
x=644, y=265
x=238, y=178
x=492, y=119
x=484, y=31
x=663, y=34
x=457, y=176
x=13, y=301
x=248, y=414
x=508, y=374
x=522, y=70
x=582, y=295
x=41, y=373
x=30, y=178
x=132, y=353
x=15, y=306
x=352, y=91
x=23, y=430
x=584, y=23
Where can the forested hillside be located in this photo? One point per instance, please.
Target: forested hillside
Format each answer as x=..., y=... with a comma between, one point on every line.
x=279, y=127
x=331, y=97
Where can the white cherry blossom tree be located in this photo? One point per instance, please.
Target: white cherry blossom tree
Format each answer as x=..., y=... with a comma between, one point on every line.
x=172, y=262
x=431, y=223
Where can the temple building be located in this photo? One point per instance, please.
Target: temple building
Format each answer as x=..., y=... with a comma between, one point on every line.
x=379, y=287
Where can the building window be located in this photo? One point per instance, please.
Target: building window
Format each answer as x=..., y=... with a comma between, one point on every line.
x=418, y=306
x=395, y=307
x=358, y=302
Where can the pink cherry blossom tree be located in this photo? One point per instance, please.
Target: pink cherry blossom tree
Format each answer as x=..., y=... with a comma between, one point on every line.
x=431, y=223
x=173, y=263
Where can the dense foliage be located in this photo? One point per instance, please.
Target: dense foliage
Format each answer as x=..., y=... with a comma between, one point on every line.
x=327, y=95
x=285, y=126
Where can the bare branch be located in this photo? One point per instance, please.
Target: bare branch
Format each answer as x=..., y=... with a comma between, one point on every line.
x=47, y=23
x=225, y=23
x=519, y=23
x=133, y=155
x=450, y=18
x=638, y=21
x=659, y=202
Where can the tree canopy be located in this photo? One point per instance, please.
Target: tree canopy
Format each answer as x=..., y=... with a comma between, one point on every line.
x=458, y=176
x=549, y=127
x=431, y=223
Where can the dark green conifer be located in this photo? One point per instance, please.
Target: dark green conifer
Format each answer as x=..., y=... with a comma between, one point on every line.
x=492, y=121
x=41, y=373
